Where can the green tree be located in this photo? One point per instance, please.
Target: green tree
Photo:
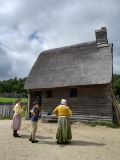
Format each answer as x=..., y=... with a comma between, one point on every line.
x=14, y=85
x=116, y=85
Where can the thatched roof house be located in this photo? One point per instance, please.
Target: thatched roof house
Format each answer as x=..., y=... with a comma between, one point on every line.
x=80, y=73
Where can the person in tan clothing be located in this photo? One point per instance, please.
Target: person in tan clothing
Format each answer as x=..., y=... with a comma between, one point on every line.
x=16, y=123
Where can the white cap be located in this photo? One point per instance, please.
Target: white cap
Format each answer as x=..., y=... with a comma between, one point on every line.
x=63, y=101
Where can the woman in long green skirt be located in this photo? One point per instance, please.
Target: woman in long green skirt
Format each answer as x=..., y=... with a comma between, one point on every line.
x=63, y=112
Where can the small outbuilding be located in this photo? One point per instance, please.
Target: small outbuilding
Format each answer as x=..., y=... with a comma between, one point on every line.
x=80, y=73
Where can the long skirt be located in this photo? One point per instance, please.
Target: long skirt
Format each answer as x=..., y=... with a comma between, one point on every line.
x=16, y=123
x=64, y=130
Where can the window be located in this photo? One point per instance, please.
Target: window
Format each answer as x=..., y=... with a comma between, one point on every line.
x=73, y=92
x=49, y=94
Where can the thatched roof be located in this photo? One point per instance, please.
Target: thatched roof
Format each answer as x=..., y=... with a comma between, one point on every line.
x=81, y=64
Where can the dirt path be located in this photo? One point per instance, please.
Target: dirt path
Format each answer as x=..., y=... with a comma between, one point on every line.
x=89, y=143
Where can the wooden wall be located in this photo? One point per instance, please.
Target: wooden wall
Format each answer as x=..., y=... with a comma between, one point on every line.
x=92, y=102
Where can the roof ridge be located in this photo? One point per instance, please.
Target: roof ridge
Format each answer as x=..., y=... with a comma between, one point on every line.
x=69, y=46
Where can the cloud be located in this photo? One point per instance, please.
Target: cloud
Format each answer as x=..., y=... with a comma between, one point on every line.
x=5, y=65
x=28, y=27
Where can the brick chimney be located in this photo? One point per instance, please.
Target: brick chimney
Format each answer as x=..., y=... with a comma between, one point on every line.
x=101, y=37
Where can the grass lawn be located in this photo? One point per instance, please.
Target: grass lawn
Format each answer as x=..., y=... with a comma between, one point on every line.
x=3, y=99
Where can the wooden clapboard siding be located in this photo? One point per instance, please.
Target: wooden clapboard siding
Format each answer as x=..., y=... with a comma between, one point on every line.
x=91, y=101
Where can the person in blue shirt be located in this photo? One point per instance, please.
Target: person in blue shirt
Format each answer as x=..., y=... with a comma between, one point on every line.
x=34, y=118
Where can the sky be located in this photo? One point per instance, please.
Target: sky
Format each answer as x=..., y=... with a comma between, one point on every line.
x=28, y=27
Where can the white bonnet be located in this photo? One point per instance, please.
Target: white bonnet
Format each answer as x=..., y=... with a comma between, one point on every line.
x=63, y=101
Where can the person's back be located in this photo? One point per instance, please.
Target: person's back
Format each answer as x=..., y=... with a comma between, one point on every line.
x=62, y=110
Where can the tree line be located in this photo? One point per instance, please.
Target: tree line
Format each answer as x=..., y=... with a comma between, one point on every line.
x=116, y=85
x=15, y=86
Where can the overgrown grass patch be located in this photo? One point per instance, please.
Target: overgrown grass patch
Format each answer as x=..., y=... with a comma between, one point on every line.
x=5, y=118
x=102, y=123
